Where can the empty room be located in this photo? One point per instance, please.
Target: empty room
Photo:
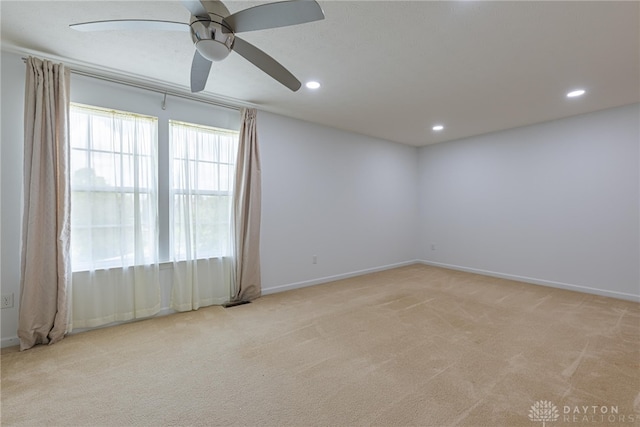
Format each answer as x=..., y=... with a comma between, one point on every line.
x=320, y=213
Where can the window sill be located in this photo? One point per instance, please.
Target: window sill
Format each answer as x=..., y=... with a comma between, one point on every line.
x=163, y=265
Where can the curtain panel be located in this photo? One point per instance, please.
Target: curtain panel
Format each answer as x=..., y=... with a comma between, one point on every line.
x=45, y=268
x=246, y=211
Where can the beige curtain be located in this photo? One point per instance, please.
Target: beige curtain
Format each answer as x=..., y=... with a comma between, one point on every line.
x=246, y=209
x=45, y=268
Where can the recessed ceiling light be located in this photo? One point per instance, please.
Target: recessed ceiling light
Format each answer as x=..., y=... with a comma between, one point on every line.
x=313, y=85
x=438, y=128
x=576, y=93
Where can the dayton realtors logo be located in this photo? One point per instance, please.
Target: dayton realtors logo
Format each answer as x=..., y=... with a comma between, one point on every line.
x=545, y=411
x=596, y=414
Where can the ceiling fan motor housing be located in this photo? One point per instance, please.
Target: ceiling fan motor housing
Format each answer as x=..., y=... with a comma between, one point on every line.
x=212, y=38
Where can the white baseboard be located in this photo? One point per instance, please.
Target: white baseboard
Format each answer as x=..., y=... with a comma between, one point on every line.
x=327, y=279
x=12, y=341
x=9, y=342
x=542, y=282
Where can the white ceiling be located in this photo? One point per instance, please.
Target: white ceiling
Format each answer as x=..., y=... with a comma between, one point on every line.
x=389, y=69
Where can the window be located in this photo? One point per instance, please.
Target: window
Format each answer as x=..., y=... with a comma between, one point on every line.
x=113, y=188
x=115, y=177
x=202, y=170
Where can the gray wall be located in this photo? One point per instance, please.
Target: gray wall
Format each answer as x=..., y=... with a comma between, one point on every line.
x=555, y=203
x=348, y=199
x=11, y=116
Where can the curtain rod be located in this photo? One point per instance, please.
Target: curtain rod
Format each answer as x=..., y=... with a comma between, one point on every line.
x=151, y=88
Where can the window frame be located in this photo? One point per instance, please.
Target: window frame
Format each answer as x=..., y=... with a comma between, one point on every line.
x=198, y=192
x=163, y=179
x=90, y=151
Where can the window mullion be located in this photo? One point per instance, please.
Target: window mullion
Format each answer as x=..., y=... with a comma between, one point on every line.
x=165, y=173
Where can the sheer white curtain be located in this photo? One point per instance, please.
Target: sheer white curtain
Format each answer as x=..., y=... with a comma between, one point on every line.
x=202, y=170
x=114, y=218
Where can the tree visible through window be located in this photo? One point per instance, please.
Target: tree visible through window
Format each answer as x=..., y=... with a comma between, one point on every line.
x=114, y=188
x=202, y=172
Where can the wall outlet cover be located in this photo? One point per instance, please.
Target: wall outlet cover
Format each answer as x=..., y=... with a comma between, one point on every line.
x=6, y=301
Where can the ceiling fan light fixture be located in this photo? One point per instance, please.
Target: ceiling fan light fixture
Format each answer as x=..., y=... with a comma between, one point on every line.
x=312, y=85
x=438, y=128
x=213, y=50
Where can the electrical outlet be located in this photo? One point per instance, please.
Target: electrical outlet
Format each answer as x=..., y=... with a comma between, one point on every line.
x=314, y=260
x=7, y=301
x=433, y=247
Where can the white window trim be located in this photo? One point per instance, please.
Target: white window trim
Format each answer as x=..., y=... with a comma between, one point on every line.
x=163, y=166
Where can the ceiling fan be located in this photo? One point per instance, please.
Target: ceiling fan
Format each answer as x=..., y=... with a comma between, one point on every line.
x=213, y=31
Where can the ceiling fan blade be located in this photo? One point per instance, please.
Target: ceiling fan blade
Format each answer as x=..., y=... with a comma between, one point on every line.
x=130, y=24
x=273, y=15
x=266, y=63
x=200, y=68
x=196, y=8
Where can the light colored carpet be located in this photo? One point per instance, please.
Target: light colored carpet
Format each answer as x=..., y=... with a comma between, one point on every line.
x=416, y=345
